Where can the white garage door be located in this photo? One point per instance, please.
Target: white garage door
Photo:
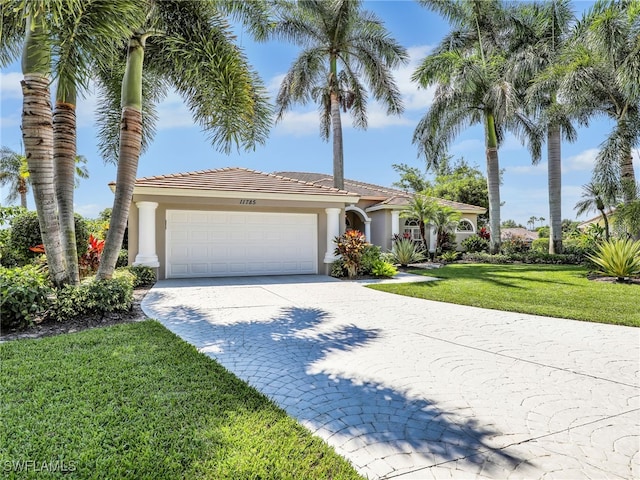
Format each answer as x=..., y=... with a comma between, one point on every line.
x=215, y=244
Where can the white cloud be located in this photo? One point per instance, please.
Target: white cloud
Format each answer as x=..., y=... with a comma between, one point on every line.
x=467, y=146
x=539, y=169
x=173, y=113
x=299, y=123
x=580, y=162
x=10, y=85
x=414, y=97
x=90, y=210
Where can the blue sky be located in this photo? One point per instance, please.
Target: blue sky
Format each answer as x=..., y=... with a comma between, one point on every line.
x=295, y=144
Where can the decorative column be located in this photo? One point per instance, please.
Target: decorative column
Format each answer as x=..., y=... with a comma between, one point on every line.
x=333, y=231
x=395, y=223
x=147, y=235
x=433, y=239
x=367, y=230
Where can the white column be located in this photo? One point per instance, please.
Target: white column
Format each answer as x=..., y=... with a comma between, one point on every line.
x=333, y=230
x=147, y=235
x=395, y=223
x=432, y=239
x=367, y=230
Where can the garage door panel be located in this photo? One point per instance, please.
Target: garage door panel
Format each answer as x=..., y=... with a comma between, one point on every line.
x=211, y=243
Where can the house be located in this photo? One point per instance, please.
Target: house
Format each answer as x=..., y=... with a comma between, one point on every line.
x=518, y=232
x=597, y=220
x=239, y=222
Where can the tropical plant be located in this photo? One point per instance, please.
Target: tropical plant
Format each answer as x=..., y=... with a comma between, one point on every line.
x=626, y=219
x=90, y=260
x=595, y=198
x=24, y=295
x=444, y=220
x=344, y=49
x=514, y=244
x=618, y=258
x=421, y=208
x=190, y=46
x=540, y=36
x=405, y=251
x=599, y=76
x=469, y=71
x=450, y=256
x=383, y=269
x=14, y=173
x=350, y=246
x=475, y=243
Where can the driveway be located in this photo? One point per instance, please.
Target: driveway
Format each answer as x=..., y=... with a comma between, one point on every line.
x=410, y=388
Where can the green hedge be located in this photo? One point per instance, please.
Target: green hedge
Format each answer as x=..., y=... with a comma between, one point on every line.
x=25, y=295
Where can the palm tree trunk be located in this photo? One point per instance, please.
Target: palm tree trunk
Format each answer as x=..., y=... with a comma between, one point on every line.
x=129, y=154
x=628, y=178
x=64, y=154
x=554, y=161
x=37, y=134
x=605, y=219
x=493, y=182
x=338, y=149
x=22, y=190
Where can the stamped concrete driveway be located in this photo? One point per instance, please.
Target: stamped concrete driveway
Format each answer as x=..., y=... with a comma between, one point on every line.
x=409, y=388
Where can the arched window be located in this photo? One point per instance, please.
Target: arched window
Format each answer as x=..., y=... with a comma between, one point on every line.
x=465, y=226
x=412, y=227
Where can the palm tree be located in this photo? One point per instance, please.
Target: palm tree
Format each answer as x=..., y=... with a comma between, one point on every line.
x=595, y=197
x=14, y=172
x=599, y=76
x=540, y=37
x=421, y=208
x=532, y=222
x=190, y=46
x=469, y=70
x=444, y=219
x=76, y=30
x=343, y=46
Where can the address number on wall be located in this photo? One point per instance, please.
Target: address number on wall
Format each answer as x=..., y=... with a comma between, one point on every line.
x=246, y=201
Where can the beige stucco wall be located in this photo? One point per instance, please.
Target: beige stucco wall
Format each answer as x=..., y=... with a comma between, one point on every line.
x=226, y=204
x=381, y=228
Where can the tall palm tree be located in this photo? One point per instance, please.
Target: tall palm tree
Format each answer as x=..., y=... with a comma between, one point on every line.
x=599, y=76
x=421, y=208
x=469, y=71
x=595, y=198
x=70, y=34
x=540, y=35
x=14, y=173
x=190, y=46
x=343, y=46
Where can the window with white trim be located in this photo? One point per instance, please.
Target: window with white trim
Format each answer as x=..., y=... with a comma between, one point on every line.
x=412, y=227
x=465, y=226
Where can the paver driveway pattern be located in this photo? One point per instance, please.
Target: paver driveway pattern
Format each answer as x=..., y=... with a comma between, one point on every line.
x=410, y=388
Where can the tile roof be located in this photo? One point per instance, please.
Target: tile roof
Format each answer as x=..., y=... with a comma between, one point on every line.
x=238, y=180
x=389, y=196
x=506, y=233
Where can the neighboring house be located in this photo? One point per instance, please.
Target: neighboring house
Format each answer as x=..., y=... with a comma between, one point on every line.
x=238, y=222
x=527, y=235
x=598, y=220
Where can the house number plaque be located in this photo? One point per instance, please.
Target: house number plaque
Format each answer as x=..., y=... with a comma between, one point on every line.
x=247, y=201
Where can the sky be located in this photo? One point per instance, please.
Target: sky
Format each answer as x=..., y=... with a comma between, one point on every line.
x=294, y=143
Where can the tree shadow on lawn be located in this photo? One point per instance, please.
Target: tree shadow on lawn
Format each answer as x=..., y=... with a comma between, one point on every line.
x=493, y=274
x=276, y=355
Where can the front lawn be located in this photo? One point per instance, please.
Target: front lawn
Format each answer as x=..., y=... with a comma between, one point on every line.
x=134, y=401
x=553, y=290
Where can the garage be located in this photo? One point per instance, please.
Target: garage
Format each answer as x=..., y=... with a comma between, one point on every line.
x=240, y=243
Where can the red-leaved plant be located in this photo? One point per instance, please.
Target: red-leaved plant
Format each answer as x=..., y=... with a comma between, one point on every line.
x=90, y=260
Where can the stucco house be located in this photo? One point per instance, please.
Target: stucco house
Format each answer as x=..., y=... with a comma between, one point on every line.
x=239, y=222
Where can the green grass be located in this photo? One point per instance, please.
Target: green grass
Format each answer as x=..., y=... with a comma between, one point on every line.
x=134, y=401
x=554, y=290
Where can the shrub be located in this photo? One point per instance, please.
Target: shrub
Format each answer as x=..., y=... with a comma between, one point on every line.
x=123, y=258
x=529, y=257
x=25, y=295
x=142, y=276
x=350, y=246
x=338, y=270
x=405, y=251
x=370, y=255
x=540, y=245
x=544, y=232
x=475, y=243
x=90, y=260
x=380, y=268
x=25, y=233
x=94, y=296
x=450, y=256
x=514, y=244
x=618, y=258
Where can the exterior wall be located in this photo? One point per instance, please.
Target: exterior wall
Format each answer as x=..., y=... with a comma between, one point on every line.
x=227, y=204
x=460, y=236
x=381, y=228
